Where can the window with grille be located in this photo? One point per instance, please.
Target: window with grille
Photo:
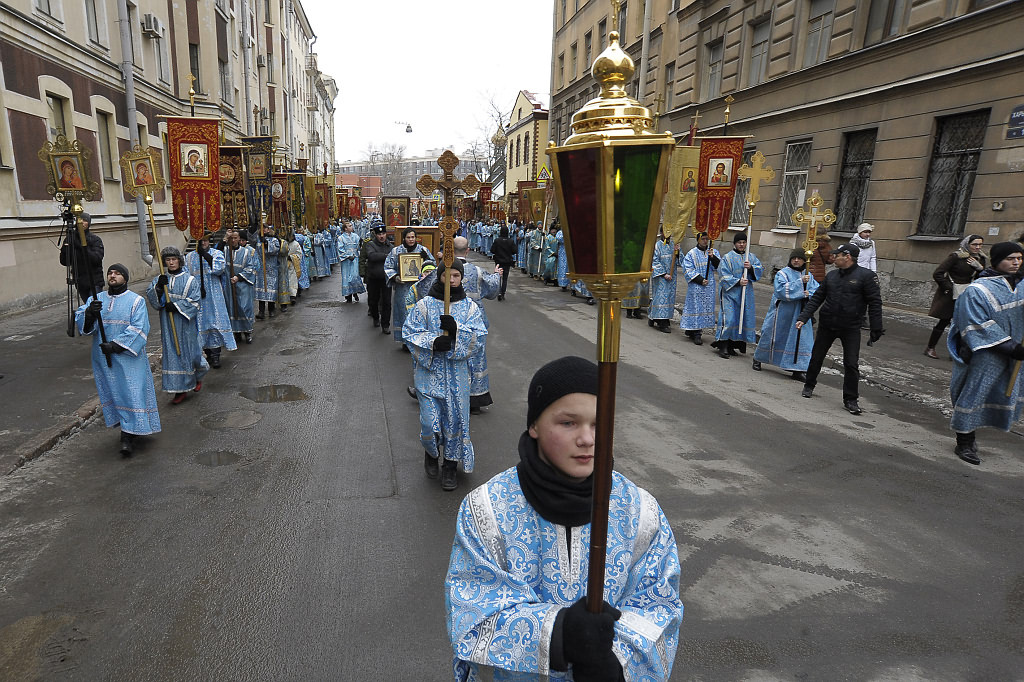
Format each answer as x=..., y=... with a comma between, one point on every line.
x=854, y=178
x=819, y=31
x=794, y=180
x=713, y=74
x=759, y=53
x=947, y=195
x=740, y=210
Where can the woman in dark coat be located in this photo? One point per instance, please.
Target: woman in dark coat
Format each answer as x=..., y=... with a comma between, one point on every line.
x=959, y=268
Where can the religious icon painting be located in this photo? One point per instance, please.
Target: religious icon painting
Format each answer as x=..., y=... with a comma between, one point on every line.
x=689, y=183
x=257, y=166
x=720, y=172
x=140, y=173
x=195, y=173
x=719, y=159
x=409, y=267
x=194, y=160
x=277, y=190
x=396, y=211
x=69, y=172
x=66, y=166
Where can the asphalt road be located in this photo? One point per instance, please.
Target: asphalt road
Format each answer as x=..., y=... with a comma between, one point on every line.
x=281, y=528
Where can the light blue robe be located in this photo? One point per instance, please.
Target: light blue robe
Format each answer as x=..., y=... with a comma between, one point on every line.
x=480, y=285
x=523, y=245
x=778, y=333
x=214, y=322
x=536, y=257
x=180, y=371
x=486, y=238
x=663, y=292
x=348, y=244
x=399, y=289
x=321, y=267
x=126, y=390
x=266, y=289
x=442, y=379
x=303, y=241
x=243, y=262
x=580, y=287
x=331, y=245
x=550, y=257
x=511, y=572
x=563, y=261
x=986, y=314
x=699, y=307
x=731, y=269
x=474, y=236
x=638, y=298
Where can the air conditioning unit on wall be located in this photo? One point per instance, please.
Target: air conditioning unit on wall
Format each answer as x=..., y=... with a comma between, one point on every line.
x=152, y=26
x=264, y=130
x=261, y=61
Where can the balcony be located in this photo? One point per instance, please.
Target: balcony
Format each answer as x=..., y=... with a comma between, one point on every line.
x=311, y=64
x=311, y=104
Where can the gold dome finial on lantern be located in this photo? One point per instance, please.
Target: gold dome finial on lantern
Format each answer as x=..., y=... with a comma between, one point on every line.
x=613, y=113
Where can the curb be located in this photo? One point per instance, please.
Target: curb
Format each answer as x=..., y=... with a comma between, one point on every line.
x=48, y=438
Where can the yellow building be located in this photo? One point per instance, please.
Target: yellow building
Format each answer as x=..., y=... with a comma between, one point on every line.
x=527, y=133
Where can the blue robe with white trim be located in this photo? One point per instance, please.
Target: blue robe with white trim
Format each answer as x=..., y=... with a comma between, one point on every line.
x=181, y=371
x=266, y=288
x=214, y=322
x=351, y=283
x=730, y=294
x=400, y=289
x=511, y=572
x=243, y=263
x=663, y=291
x=699, y=306
x=778, y=344
x=986, y=314
x=126, y=390
x=480, y=285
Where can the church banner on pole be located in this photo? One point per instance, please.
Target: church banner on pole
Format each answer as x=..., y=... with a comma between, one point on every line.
x=720, y=159
x=194, y=147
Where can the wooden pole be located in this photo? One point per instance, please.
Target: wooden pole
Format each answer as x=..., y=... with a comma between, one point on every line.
x=148, y=199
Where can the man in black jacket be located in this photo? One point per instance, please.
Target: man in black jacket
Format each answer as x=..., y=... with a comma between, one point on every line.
x=843, y=297
x=86, y=263
x=371, y=266
x=504, y=250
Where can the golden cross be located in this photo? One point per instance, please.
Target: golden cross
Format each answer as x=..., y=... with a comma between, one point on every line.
x=448, y=226
x=811, y=218
x=756, y=173
x=695, y=117
x=658, y=101
x=616, y=7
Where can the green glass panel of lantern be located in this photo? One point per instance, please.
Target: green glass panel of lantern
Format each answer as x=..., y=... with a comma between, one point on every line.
x=635, y=176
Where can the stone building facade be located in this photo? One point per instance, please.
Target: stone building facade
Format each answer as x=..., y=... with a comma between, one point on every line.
x=60, y=72
x=907, y=114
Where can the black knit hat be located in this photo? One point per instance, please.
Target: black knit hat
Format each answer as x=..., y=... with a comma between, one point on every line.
x=119, y=268
x=797, y=253
x=739, y=237
x=1001, y=250
x=556, y=379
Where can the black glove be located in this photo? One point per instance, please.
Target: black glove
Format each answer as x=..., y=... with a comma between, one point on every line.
x=1018, y=352
x=92, y=313
x=161, y=282
x=715, y=260
x=876, y=334
x=699, y=279
x=111, y=348
x=448, y=324
x=587, y=640
x=443, y=344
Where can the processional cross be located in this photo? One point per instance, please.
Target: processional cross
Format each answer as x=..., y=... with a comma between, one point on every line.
x=449, y=226
x=757, y=173
x=811, y=218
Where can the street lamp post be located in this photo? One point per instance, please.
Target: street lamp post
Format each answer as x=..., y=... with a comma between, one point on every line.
x=609, y=180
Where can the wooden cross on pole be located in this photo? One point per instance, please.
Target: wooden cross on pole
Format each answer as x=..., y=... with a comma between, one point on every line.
x=448, y=226
x=757, y=173
x=811, y=218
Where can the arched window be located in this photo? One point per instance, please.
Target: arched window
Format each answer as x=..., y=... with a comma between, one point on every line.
x=510, y=147
x=527, y=154
x=518, y=140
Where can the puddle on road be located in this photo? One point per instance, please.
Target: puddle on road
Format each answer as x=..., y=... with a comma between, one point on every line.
x=274, y=393
x=231, y=419
x=217, y=458
x=327, y=304
x=296, y=350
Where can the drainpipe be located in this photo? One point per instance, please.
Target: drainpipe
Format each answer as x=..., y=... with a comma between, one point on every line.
x=246, y=62
x=645, y=50
x=127, y=61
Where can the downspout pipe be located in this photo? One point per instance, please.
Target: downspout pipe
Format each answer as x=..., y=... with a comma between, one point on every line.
x=127, y=62
x=246, y=64
x=645, y=50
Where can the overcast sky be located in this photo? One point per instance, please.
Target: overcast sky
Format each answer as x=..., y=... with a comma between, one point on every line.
x=385, y=56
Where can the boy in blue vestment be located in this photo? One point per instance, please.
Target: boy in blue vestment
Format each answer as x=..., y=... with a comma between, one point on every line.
x=663, y=284
x=740, y=270
x=348, y=247
x=516, y=584
x=782, y=344
x=126, y=390
x=700, y=267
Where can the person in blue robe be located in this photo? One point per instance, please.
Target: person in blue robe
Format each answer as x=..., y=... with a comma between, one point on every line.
x=307, y=260
x=579, y=288
x=700, y=268
x=987, y=387
x=266, y=247
x=739, y=270
x=550, y=256
x=474, y=236
x=442, y=374
x=663, y=284
x=331, y=244
x=782, y=344
x=563, y=262
x=126, y=390
x=214, y=322
x=177, y=293
x=351, y=283
x=536, y=256
x=637, y=300
x=523, y=243
x=515, y=591
x=479, y=285
x=400, y=289
x=239, y=284
x=485, y=237
x=321, y=266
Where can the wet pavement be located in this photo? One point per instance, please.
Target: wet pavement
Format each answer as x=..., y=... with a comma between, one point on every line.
x=281, y=526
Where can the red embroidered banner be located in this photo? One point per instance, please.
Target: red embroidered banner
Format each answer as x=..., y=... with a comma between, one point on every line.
x=341, y=195
x=322, y=205
x=279, y=197
x=720, y=159
x=484, y=193
x=195, y=173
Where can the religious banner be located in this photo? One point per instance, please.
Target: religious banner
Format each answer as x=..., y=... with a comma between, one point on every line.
x=332, y=207
x=468, y=208
x=484, y=193
x=341, y=199
x=195, y=186
x=395, y=210
x=681, y=197
x=233, y=205
x=296, y=191
x=494, y=210
x=312, y=215
x=322, y=204
x=261, y=154
x=720, y=158
x=533, y=201
x=355, y=205
x=279, y=199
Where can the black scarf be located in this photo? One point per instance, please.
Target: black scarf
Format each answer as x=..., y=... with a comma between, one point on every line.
x=437, y=290
x=556, y=497
x=115, y=289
